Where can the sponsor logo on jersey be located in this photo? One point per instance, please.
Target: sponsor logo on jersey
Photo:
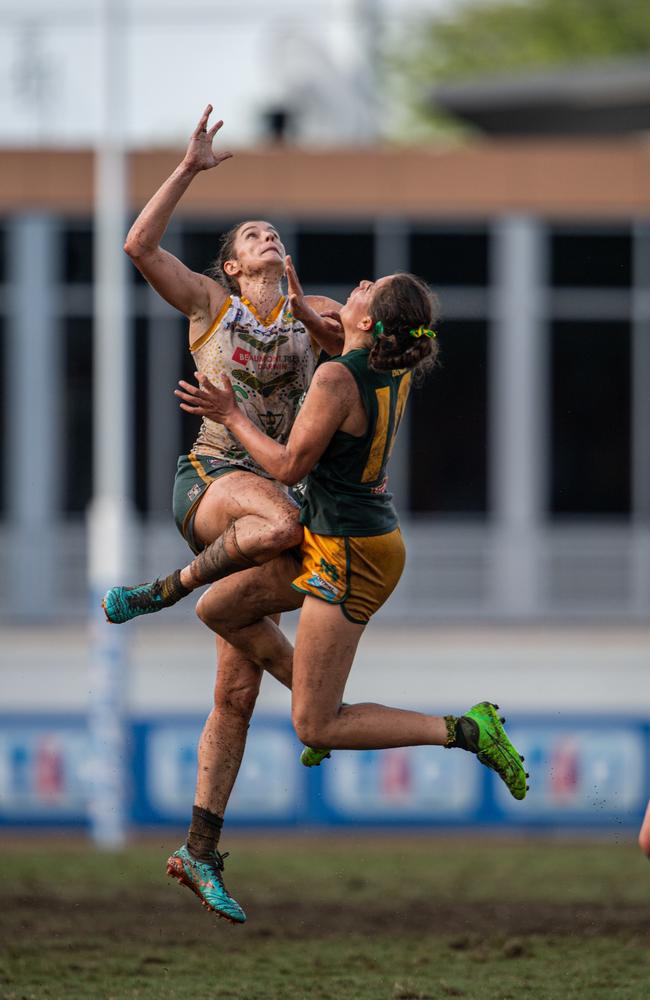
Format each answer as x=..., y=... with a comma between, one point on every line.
x=264, y=362
x=241, y=356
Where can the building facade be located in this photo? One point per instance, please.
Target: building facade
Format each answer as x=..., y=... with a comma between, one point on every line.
x=522, y=472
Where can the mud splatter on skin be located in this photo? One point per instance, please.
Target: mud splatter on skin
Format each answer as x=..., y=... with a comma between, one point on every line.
x=215, y=561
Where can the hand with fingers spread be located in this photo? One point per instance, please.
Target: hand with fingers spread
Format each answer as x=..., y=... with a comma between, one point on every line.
x=200, y=154
x=316, y=323
x=206, y=400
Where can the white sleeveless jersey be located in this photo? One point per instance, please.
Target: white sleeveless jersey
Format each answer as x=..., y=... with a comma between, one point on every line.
x=270, y=363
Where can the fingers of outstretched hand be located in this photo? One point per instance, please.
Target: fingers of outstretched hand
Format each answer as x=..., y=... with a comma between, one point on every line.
x=295, y=288
x=191, y=404
x=215, y=128
x=203, y=121
x=208, y=390
x=191, y=397
x=187, y=387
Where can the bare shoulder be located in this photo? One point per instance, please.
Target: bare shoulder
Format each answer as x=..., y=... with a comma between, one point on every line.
x=215, y=297
x=336, y=378
x=215, y=293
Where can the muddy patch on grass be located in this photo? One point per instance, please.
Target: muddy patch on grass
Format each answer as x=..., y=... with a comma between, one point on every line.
x=173, y=915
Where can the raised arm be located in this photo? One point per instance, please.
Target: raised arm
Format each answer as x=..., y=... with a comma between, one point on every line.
x=329, y=400
x=195, y=295
x=319, y=314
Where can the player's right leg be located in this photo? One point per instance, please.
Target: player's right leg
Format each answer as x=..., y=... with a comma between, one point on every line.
x=231, y=522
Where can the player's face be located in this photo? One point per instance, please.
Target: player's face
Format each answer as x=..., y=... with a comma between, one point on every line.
x=258, y=248
x=357, y=307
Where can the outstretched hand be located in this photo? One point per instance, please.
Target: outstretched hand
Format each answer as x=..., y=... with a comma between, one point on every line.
x=206, y=400
x=200, y=154
x=316, y=323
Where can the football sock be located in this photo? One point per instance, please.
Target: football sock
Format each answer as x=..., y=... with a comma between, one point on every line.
x=171, y=589
x=462, y=733
x=204, y=833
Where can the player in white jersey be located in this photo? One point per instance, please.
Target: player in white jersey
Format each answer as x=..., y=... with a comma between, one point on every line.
x=229, y=510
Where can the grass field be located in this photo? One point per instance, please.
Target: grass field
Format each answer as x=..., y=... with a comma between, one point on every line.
x=330, y=918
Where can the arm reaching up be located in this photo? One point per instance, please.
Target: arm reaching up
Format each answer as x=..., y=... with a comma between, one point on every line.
x=325, y=327
x=195, y=295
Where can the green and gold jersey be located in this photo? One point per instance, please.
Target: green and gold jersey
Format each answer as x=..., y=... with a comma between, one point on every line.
x=346, y=492
x=270, y=362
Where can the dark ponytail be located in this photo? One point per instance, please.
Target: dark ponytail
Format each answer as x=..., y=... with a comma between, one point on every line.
x=404, y=310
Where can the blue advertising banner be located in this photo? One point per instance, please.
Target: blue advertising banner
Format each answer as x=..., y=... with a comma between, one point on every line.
x=586, y=772
x=44, y=774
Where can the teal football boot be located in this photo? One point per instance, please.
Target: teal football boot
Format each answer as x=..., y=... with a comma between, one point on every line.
x=205, y=879
x=122, y=604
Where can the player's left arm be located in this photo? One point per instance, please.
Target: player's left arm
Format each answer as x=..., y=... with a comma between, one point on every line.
x=328, y=402
x=318, y=313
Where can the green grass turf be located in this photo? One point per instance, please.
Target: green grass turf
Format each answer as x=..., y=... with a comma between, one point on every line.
x=330, y=918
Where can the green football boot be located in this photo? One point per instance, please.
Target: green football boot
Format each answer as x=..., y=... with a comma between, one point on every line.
x=313, y=758
x=205, y=879
x=487, y=738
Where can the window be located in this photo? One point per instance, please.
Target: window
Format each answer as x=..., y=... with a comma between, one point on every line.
x=590, y=418
x=189, y=422
x=139, y=346
x=76, y=259
x=445, y=257
x=448, y=426
x=591, y=259
x=4, y=438
x=78, y=416
x=334, y=258
x=3, y=255
x=201, y=246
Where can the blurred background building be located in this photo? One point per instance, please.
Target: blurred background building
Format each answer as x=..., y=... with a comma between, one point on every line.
x=501, y=152
x=523, y=475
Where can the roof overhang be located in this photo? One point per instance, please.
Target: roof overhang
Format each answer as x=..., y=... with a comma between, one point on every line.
x=604, y=99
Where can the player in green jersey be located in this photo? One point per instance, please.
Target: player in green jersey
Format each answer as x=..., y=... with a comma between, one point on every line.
x=353, y=552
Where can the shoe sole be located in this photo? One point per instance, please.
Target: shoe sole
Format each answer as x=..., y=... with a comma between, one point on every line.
x=108, y=617
x=176, y=869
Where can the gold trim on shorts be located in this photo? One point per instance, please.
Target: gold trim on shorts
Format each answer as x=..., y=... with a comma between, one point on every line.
x=359, y=574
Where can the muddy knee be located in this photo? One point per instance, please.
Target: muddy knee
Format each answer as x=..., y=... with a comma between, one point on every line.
x=285, y=533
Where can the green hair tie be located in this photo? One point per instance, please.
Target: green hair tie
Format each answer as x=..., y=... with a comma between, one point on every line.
x=379, y=329
x=423, y=331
